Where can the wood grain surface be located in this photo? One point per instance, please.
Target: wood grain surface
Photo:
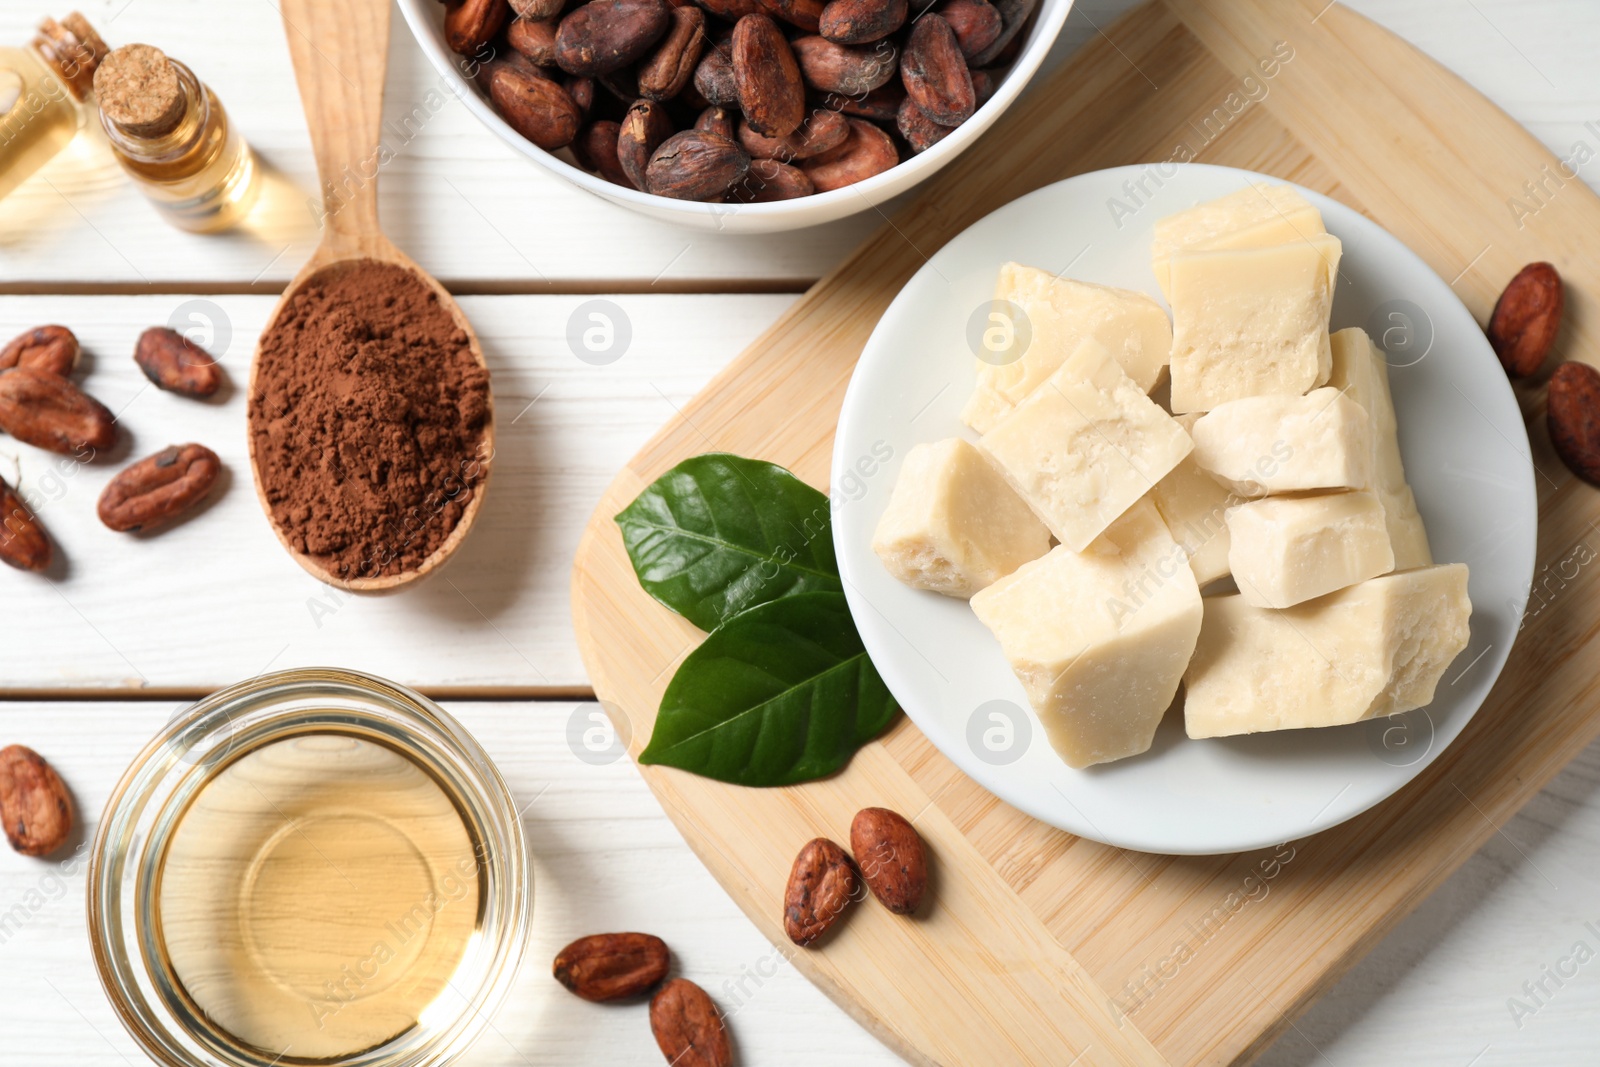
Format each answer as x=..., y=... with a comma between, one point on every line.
x=1351, y=111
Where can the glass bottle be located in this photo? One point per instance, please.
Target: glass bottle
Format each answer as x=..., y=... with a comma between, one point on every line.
x=42, y=88
x=171, y=135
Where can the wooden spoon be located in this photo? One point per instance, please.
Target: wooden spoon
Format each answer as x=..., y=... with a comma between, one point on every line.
x=340, y=51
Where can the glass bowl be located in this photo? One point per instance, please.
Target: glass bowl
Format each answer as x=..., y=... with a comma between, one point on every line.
x=135, y=837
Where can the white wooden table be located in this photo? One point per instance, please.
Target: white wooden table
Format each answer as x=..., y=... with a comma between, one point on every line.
x=93, y=659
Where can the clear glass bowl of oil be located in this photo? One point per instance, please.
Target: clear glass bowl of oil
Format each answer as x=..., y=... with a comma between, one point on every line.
x=310, y=867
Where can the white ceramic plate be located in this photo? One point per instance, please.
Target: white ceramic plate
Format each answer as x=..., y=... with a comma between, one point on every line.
x=1466, y=454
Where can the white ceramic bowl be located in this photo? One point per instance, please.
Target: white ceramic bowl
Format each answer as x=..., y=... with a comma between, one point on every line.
x=426, y=18
x=1466, y=455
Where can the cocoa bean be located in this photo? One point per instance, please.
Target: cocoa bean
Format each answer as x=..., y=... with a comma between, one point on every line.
x=717, y=120
x=23, y=542
x=471, y=24
x=47, y=411
x=732, y=10
x=976, y=23
x=805, y=14
x=535, y=107
x=159, y=488
x=821, y=131
x=34, y=804
x=866, y=152
x=935, y=72
x=770, y=181
x=606, y=35
x=47, y=348
x=1527, y=318
x=771, y=93
x=688, y=1028
x=582, y=92
x=1573, y=418
x=920, y=132
x=1014, y=16
x=604, y=967
x=596, y=149
x=849, y=70
x=644, y=127
x=822, y=883
x=668, y=69
x=880, y=105
x=694, y=165
x=173, y=362
x=862, y=21
x=891, y=857
x=984, y=84
x=537, y=10
x=713, y=78
x=534, y=39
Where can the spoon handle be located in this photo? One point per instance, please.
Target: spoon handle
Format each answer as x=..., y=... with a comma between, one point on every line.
x=340, y=49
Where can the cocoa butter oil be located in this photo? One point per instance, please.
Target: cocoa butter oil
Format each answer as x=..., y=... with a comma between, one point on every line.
x=316, y=896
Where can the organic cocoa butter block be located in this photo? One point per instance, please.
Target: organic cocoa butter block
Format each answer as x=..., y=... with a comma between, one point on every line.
x=1100, y=638
x=1286, y=550
x=1283, y=444
x=1085, y=445
x=1056, y=315
x=1256, y=216
x=1376, y=648
x=1194, y=506
x=953, y=525
x=1251, y=322
x=1361, y=372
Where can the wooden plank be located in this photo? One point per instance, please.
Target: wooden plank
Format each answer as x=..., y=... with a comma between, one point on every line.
x=481, y=217
x=604, y=858
x=217, y=599
x=1186, y=951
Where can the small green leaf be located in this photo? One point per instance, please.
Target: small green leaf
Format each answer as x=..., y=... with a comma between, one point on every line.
x=719, y=534
x=779, y=694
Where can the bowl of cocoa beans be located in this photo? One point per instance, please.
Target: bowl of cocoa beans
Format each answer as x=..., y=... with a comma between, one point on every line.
x=745, y=116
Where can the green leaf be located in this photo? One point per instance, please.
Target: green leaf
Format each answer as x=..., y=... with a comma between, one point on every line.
x=779, y=694
x=719, y=534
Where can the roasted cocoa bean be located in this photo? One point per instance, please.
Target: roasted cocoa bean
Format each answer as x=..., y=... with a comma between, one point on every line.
x=471, y=24
x=537, y=10
x=880, y=105
x=770, y=181
x=717, y=120
x=984, y=84
x=34, y=804
x=866, y=152
x=694, y=165
x=713, y=78
x=821, y=885
x=582, y=91
x=862, y=21
x=849, y=70
x=604, y=967
x=688, y=1028
x=805, y=14
x=891, y=857
x=1014, y=16
x=47, y=348
x=596, y=149
x=771, y=92
x=1527, y=318
x=535, y=107
x=47, y=411
x=534, y=39
x=644, y=127
x=920, y=132
x=821, y=131
x=173, y=362
x=935, y=72
x=159, y=488
x=23, y=542
x=607, y=35
x=976, y=23
x=1573, y=418
x=732, y=10
x=668, y=69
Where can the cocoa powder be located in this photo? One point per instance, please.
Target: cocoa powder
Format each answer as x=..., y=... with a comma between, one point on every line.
x=368, y=415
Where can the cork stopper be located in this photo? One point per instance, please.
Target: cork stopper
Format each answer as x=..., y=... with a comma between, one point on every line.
x=138, y=90
x=74, y=49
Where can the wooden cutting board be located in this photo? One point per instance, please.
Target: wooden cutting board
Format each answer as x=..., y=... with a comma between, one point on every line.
x=1042, y=948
